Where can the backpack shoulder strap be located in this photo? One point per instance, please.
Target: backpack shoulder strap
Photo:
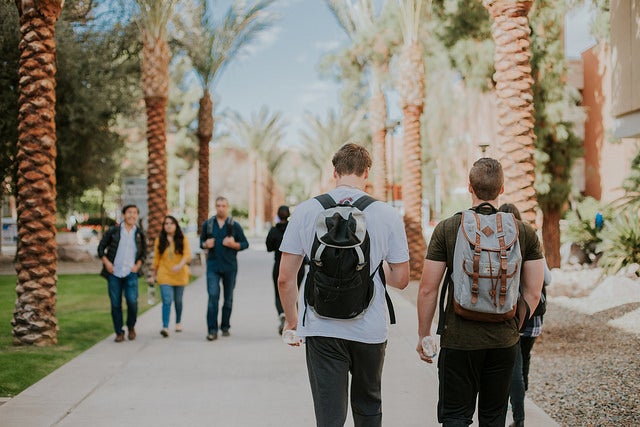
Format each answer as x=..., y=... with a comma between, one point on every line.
x=229, y=225
x=392, y=312
x=363, y=202
x=326, y=200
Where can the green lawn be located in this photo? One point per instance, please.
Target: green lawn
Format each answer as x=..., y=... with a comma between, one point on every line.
x=84, y=319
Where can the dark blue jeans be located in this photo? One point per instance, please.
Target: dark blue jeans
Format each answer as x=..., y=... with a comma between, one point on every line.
x=469, y=374
x=213, y=289
x=329, y=362
x=520, y=380
x=129, y=287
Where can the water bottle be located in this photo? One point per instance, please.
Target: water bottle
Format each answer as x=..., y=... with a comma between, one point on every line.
x=289, y=337
x=429, y=347
x=151, y=295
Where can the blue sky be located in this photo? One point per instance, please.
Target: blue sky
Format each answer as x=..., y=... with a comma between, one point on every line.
x=280, y=71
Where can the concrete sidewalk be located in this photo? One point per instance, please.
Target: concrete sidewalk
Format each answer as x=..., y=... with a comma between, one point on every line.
x=248, y=379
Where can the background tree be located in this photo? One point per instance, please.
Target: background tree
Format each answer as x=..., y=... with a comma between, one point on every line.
x=211, y=46
x=96, y=82
x=152, y=20
x=557, y=145
x=322, y=138
x=34, y=318
x=260, y=135
x=515, y=101
x=274, y=196
x=371, y=37
x=411, y=87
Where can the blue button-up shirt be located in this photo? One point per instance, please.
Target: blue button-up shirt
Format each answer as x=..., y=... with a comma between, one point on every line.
x=222, y=258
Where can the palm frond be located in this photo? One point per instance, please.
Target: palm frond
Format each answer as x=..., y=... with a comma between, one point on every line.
x=153, y=16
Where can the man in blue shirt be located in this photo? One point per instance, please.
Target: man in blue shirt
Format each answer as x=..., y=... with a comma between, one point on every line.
x=223, y=237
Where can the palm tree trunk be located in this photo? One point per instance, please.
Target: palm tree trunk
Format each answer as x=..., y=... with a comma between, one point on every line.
x=34, y=318
x=412, y=189
x=412, y=89
x=156, y=164
x=205, y=133
x=269, y=198
x=155, y=87
x=377, y=120
x=515, y=102
x=253, y=190
x=259, y=198
x=551, y=236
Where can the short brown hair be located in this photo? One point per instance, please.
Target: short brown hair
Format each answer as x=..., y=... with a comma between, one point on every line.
x=486, y=178
x=351, y=159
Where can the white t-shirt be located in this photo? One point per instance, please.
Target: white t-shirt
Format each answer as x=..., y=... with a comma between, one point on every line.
x=388, y=242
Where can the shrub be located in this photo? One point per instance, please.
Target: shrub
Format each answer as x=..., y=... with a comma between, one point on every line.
x=580, y=226
x=620, y=244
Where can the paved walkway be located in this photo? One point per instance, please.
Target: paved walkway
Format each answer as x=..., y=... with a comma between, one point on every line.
x=248, y=379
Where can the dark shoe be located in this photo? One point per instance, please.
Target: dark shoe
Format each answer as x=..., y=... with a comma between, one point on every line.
x=226, y=333
x=132, y=334
x=517, y=424
x=164, y=332
x=212, y=337
x=119, y=337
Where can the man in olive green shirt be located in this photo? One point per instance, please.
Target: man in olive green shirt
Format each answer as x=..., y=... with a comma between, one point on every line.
x=476, y=360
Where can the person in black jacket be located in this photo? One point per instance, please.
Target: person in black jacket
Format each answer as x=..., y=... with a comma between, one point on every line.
x=122, y=250
x=274, y=238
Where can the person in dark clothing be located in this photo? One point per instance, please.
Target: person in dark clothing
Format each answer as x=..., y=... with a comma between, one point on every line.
x=223, y=238
x=122, y=251
x=274, y=238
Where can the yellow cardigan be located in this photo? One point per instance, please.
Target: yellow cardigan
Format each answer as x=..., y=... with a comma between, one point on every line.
x=162, y=264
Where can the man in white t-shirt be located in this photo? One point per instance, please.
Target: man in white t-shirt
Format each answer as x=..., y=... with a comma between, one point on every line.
x=337, y=347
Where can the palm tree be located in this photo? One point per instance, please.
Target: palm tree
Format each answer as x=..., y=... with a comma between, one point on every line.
x=515, y=101
x=153, y=19
x=211, y=47
x=363, y=26
x=34, y=318
x=322, y=140
x=411, y=87
x=274, y=159
x=259, y=136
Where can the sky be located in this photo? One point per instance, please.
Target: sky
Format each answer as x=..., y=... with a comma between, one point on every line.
x=280, y=70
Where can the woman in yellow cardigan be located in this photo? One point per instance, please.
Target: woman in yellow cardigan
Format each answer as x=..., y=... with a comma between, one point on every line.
x=170, y=270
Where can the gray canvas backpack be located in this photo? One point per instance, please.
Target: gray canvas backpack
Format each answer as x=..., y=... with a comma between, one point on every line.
x=487, y=263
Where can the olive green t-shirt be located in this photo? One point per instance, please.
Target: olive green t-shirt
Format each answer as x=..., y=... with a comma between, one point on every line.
x=460, y=333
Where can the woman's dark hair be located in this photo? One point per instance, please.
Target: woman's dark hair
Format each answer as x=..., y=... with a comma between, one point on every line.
x=178, y=237
x=283, y=212
x=510, y=208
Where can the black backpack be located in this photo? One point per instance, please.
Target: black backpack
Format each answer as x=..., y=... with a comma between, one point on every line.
x=338, y=283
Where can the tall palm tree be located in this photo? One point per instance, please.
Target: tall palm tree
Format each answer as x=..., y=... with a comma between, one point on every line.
x=361, y=23
x=274, y=159
x=411, y=87
x=211, y=47
x=259, y=136
x=153, y=19
x=34, y=318
x=515, y=101
x=322, y=140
